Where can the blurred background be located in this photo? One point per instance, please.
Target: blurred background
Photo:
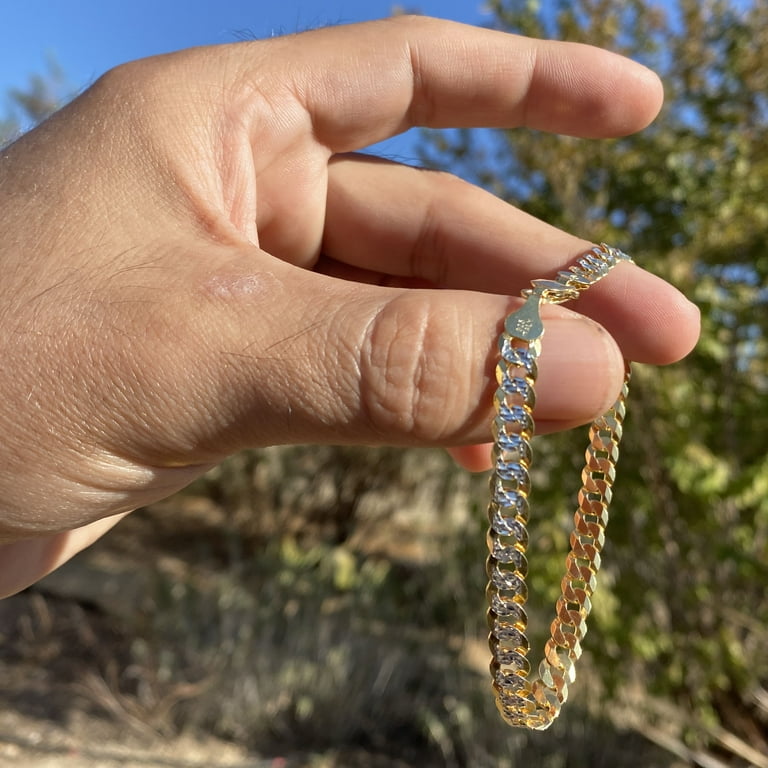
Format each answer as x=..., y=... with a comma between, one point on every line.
x=324, y=606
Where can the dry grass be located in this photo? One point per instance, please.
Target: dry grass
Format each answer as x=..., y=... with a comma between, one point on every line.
x=305, y=605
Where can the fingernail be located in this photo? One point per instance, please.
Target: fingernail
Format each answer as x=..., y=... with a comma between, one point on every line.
x=581, y=370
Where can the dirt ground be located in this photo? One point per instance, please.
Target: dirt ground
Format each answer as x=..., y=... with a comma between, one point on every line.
x=56, y=640
x=49, y=717
x=86, y=742
x=90, y=742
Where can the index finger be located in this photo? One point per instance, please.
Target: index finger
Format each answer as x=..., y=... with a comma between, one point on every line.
x=381, y=78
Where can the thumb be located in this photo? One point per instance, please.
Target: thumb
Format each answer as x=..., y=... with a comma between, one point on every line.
x=287, y=356
x=172, y=365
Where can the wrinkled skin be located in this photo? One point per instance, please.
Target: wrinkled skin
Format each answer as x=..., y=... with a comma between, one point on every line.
x=195, y=261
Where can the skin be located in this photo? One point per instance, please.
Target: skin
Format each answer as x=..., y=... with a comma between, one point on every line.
x=195, y=261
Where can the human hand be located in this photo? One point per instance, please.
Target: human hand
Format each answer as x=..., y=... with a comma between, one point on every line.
x=194, y=263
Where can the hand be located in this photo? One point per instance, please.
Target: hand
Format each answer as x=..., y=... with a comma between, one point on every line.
x=193, y=263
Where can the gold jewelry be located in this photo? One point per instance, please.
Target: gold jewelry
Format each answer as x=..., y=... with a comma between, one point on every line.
x=522, y=700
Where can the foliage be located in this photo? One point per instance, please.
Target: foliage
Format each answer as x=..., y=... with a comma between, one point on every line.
x=685, y=609
x=328, y=647
x=43, y=95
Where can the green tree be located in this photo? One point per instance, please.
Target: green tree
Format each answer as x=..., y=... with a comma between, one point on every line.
x=682, y=612
x=26, y=107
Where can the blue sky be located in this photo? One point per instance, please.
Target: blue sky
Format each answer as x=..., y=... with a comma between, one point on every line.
x=87, y=37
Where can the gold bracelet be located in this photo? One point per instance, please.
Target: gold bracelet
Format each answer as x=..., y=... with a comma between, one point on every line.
x=523, y=700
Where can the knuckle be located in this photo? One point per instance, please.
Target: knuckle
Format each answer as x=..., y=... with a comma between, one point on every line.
x=430, y=256
x=137, y=92
x=145, y=75
x=129, y=83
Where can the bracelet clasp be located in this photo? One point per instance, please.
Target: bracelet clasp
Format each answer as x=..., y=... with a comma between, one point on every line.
x=525, y=323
